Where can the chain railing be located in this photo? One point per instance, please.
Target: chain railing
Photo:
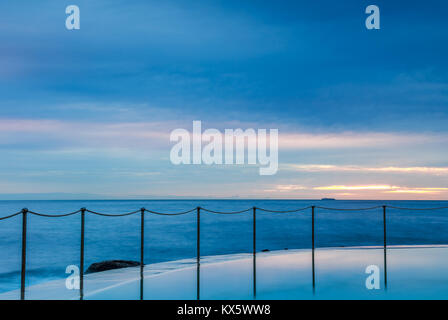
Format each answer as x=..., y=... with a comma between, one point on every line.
x=83, y=211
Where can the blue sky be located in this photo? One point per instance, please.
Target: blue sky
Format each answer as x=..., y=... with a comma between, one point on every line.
x=361, y=113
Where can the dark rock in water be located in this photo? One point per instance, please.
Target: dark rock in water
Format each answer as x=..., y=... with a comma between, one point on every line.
x=265, y=250
x=110, y=265
x=286, y=248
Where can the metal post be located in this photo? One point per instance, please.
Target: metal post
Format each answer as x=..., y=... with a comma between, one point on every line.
x=142, y=247
x=198, y=257
x=23, y=273
x=385, y=248
x=255, y=250
x=81, y=271
x=312, y=247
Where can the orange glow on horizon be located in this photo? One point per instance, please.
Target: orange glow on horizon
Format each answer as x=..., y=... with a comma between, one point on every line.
x=419, y=190
x=352, y=168
x=367, y=187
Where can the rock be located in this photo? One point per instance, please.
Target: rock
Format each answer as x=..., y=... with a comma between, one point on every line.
x=265, y=250
x=110, y=265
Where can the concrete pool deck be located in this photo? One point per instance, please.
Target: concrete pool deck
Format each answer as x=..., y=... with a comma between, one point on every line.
x=413, y=272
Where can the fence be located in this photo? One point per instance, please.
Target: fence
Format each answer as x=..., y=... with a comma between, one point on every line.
x=142, y=211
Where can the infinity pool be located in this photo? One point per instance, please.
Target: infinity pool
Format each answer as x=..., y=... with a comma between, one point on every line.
x=413, y=272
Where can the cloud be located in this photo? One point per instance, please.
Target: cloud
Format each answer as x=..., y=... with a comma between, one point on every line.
x=286, y=188
x=361, y=169
x=354, y=140
x=362, y=187
x=56, y=134
x=143, y=134
x=362, y=192
x=420, y=190
x=385, y=188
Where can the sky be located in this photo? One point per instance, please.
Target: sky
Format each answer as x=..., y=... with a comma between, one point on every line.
x=361, y=114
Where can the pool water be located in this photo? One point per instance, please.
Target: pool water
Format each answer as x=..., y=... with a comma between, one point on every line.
x=413, y=272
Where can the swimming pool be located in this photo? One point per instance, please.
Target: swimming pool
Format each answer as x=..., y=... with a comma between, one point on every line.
x=413, y=272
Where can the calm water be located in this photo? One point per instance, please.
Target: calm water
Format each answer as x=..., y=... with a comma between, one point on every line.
x=53, y=243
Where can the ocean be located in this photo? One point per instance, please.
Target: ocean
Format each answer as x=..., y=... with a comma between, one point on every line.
x=54, y=243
